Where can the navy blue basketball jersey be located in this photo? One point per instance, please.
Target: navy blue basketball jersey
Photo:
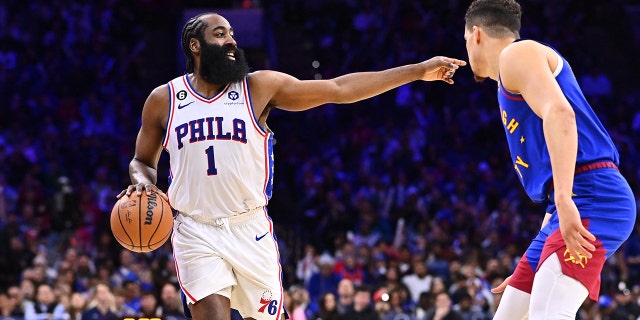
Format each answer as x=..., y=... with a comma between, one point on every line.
x=526, y=140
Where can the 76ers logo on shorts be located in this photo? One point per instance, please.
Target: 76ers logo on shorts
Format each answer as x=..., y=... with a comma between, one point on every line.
x=268, y=305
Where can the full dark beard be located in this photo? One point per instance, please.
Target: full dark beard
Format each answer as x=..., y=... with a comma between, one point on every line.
x=217, y=68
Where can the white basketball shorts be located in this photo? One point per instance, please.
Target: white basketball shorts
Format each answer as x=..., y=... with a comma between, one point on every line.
x=236, y=257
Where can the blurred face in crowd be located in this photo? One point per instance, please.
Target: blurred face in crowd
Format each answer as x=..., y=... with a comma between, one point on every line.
x=126, y=258
x=329, y=301
x=419, y=268
x=84, y=263
x=45, y=294
x=326, y=269
x=443, y=301
x=103, y=294
x=71, y=255
x=169, y=295
x=361, y=300
x=437, y=285
x=77, y=301
x=5, y=302
x=14, y=292
x=27, y=288
x=287, y=300
x=345, y=292
x=350, y=262
x=131, y=290
x=148, y=303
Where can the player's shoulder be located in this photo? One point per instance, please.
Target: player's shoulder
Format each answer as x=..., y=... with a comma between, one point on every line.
x=160, y=92
x=267, y=82
x=267, y=76
x=523, y=49
x=159, y=97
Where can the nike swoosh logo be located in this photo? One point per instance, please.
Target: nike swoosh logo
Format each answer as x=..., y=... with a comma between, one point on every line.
x=260, y=237
x=180, y=106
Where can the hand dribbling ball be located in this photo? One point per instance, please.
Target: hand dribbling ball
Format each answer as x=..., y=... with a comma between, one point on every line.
x=141, y=223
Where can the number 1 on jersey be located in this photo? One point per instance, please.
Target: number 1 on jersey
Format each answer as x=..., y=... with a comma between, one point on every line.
x=212, y=171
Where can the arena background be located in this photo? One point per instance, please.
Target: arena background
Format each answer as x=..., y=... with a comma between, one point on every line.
x=421, y=172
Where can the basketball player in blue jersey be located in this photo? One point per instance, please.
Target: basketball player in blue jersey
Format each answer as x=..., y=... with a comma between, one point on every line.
x=564, y=159
x=211, y=121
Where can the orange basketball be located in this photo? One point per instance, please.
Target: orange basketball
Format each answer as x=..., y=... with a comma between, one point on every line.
x=141, y=223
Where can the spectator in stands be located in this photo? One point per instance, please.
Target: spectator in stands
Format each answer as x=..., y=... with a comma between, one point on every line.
x=122, y=308
x=442, y=309
x=299, y=303
x=381, y=302
x=126, y=270
x=362, y=306
x=608, y=309
x=425, y=303
x=328, y=308
x=349, y=268
x=46, y=306
x=21, y=257
x=399, y=307
x=322, y=281
x=468, y=310
x=170, y=303
x=346, y=293
x=419, y=280
x=149, y=306
x=85, y=270
x=7, y=305
x=102, y=305
x=18, y=303
x=132, y=295
x=307, y=266
x=627, y=302
x=76, y=308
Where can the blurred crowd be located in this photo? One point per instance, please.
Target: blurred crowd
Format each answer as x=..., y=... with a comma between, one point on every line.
x=403, y=206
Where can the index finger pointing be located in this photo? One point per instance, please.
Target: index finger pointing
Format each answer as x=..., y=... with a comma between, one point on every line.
x=454, y=61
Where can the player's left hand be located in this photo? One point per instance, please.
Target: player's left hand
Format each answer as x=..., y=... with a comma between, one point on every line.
x=576, y=237
x=502, y=286
x=148, y=188
x=441, y=68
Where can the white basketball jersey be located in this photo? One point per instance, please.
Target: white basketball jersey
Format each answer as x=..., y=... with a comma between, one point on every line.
x=221, y=159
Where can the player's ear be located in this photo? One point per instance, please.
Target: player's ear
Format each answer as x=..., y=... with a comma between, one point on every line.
x=476, y=33
x=194, y=45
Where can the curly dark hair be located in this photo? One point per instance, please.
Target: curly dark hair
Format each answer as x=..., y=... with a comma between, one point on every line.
x=498, y=17
x=192, y=29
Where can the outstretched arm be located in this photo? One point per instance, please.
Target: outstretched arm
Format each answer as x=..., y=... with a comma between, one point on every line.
x=288, y=93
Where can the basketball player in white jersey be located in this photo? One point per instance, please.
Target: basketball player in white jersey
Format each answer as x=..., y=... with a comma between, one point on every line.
x=211, y=121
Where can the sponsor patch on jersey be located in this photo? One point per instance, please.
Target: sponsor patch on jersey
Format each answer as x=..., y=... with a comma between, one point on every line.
x=181, y=95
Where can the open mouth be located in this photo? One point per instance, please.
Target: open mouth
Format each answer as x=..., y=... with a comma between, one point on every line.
x=231, y=55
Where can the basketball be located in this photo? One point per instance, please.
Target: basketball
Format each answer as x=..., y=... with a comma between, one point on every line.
x=141, y=223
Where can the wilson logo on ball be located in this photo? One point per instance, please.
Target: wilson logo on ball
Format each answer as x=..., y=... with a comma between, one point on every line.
x=152, y=203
